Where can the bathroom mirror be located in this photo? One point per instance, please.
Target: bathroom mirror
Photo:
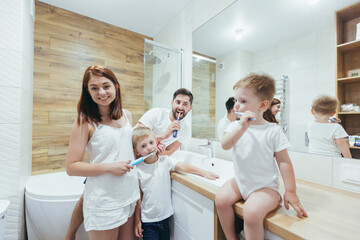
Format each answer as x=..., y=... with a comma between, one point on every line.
x=292, y=39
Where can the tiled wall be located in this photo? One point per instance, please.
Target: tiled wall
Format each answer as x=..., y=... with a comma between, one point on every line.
x=309, y=62
x=16, y=80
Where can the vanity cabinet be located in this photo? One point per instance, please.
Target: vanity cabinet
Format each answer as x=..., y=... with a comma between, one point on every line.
x=348, y=68
x=193, y=217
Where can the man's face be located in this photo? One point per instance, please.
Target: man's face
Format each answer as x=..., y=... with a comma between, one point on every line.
x=181, y=105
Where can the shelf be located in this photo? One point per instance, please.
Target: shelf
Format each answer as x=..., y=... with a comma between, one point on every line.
x=345, y=113
x=349, y=46
x=353, y=147
x=349, y=79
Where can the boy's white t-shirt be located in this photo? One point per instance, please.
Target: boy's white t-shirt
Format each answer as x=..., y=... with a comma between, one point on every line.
x=158, y=120
x=253, y=156
x=322, y=138
x=155, y=183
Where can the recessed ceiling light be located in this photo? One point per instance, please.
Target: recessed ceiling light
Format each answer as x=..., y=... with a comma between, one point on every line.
x=311, y=2
x=238, y=34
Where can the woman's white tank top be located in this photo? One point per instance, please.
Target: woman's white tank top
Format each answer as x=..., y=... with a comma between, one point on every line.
x=107, y=191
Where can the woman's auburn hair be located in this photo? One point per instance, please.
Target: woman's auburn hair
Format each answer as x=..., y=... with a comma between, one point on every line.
x=87, y=109
x=268, y=116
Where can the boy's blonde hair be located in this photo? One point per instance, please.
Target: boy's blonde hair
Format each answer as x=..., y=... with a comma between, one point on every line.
x=141, y=133
x=263, y=85
x=325, y=104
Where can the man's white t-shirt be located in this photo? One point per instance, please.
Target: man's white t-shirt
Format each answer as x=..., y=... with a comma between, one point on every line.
x=222, y=125
x=158, y=120
x=322, y=138
x=155, y=183
x=253, y=157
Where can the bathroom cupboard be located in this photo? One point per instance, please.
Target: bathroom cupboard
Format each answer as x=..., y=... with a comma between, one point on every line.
x=348, y=68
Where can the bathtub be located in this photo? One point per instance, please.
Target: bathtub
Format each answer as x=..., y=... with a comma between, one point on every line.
x=49, y=203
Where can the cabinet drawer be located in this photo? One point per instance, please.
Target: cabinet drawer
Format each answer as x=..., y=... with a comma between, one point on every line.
x=193, y=212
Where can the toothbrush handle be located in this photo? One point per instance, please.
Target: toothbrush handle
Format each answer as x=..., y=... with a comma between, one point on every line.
x=137, y=161
x=175, y=133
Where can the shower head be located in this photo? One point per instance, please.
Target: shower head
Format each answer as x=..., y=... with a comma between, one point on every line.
x=151, y=58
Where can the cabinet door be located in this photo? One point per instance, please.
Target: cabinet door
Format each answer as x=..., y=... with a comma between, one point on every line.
x=193, y=212
x=178, y=233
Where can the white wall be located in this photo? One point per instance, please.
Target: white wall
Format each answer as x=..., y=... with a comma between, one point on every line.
x=310, y=64
x=16, y=82
x=237, y=64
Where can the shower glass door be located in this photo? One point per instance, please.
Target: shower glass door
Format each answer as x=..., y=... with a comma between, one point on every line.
x=162, y=74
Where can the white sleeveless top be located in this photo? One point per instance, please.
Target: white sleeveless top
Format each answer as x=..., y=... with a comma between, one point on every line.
x=107, y=191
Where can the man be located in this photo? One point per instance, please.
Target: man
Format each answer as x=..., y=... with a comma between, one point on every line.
x=163, y=122
x=228, y=118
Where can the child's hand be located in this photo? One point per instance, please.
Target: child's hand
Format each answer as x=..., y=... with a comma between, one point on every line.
x=160, y=147
x=138, y=229
x=245, y=121
x=119, y=168
x=292, y=199
x=210, y=175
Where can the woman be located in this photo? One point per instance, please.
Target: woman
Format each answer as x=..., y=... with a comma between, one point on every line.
x=104, y=128
x=270, y=113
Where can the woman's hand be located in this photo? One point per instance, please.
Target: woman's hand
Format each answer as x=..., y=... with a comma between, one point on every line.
x=292, y=199
x=118, y=168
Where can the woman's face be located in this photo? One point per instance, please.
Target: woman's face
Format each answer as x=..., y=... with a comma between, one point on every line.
x=102, y=90
x=275, y=109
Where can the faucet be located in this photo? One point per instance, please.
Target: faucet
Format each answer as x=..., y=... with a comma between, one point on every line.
x=209, y=148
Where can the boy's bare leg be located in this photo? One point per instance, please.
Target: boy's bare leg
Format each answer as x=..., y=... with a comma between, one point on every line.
x=256, y=207
x=224, y=200
x=76, y=219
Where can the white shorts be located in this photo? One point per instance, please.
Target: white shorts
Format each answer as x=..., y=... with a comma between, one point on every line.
x=100, y=219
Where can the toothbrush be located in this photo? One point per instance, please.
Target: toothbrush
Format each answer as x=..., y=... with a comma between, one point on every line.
x=175, y=132
x=334, y=120
x=140, y=159
x=240, y=113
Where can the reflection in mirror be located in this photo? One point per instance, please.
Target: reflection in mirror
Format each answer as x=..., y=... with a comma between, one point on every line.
x=203, y=87
x=282, y=38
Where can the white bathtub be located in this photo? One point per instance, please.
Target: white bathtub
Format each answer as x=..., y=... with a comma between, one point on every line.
x=49, y=203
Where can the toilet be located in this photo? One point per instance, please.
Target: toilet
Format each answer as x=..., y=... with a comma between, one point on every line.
x=4, y=204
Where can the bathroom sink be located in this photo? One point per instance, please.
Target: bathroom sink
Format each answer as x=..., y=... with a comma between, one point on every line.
x=219, y=166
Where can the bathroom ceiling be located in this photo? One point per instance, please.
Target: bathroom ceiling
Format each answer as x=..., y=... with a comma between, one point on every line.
x=146, y=17
x=265, y=24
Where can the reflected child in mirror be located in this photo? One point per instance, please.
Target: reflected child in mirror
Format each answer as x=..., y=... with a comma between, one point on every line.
x=255, y=142
x=154, y=208
x=326, y=137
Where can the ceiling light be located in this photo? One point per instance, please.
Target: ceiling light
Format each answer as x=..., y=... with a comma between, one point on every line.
x=238, y=34
x=311, y=2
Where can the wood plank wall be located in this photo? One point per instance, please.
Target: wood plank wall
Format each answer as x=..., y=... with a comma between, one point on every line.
x=204, y=90
x=65, y=44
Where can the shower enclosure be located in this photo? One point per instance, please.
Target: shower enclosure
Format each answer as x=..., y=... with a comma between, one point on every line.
x=162, y=74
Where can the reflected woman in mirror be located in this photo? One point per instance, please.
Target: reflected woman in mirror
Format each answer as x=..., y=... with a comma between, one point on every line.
x=270, y=113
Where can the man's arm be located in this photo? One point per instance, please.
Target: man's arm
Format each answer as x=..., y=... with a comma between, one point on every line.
x=171, y=148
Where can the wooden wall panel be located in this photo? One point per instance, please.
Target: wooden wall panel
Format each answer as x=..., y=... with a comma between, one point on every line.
x=203, y=111
x=65, y=44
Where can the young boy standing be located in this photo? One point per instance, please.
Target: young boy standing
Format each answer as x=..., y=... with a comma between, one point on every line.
x=155, y=186
x=325, y=137
x=255, y=142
